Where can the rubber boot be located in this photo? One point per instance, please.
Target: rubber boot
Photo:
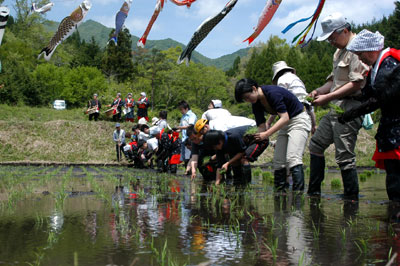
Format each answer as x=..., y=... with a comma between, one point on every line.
x=317, y=174
x=173, y=168
x=350, y=183
x=246, y=172
x=298, y=177
x=237, y=175
x=280, y=179
x=393, y=179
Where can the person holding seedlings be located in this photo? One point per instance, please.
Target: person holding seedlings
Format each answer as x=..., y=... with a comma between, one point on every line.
x=119, y=139
x=381, y=91
x=169, y=149
x=342, y=88
x=292, y=138
x=293, y=121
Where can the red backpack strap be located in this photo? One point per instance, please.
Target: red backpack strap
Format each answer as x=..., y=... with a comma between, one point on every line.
x=393, y=53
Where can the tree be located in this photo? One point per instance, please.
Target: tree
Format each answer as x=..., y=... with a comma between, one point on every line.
x=117, y=61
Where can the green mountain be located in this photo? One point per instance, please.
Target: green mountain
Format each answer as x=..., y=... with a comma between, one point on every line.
x=100, y=33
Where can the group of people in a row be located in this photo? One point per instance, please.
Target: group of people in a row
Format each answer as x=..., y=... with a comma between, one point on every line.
x=365, y=77
x=120, y=106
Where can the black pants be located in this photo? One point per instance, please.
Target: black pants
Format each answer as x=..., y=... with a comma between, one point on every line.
x=117, y=117
x=393, y=179
x=95, y=116
x=119, y=150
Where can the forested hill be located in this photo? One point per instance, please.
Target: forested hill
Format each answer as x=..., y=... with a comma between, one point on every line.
x=91, y=28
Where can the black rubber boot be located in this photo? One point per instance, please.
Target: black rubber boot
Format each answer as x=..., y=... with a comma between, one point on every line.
x=317, y=174
x=280, y=179
x=298, y=177
x=393, y=179
x=350, y=183
x=246, y=173
x=237, y=175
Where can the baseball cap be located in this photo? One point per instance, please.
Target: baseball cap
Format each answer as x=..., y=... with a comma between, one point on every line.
x=330, y=24
x=217, y=103
x=117, y=125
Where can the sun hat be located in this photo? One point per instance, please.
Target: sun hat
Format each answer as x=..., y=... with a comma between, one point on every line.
x=154, y=120
x=331, y=23
x=217, y=103
x=279, y=66
x=95, y=94
x=200, y=124
x=367, y=41
x=143, y=94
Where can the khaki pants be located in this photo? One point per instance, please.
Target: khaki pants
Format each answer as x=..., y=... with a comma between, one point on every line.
x=291, y=142
x=343, y=136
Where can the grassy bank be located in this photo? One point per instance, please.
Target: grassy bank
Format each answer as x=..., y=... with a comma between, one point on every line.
x=48, y=135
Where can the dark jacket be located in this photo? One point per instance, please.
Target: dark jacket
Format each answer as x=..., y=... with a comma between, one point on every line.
x=384, y=94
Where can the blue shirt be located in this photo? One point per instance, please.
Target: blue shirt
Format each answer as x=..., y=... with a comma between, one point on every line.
x=187, y=119
x=280, y=100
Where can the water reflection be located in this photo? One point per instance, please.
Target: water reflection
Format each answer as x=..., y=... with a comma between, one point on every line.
x=152, y=218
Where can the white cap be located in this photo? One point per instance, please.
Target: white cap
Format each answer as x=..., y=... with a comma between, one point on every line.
x=330, y=24
x=367, y=41
x=154, y=120
x=217, y=103
x=142, y=121
x=279, y=66
x=143, y=94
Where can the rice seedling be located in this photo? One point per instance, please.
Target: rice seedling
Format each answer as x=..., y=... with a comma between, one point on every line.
x=362, y=245
x=301, y=260
x=343, y=234
x=76, y=258
x=336, y=183
x=316, y=230
x=272, y=247
x=363, y=177
x=257, y=171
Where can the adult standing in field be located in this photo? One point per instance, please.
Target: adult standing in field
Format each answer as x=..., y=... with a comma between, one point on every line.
x=342, y=88
x=292, y=138
x=117, y=106
x=129, y=105
x=119, y=139
x=143, y=105
x=188, y=118
x=94, y=104
x=381, y=91
x=292, y=120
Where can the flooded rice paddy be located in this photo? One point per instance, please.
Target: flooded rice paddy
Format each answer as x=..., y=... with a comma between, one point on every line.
x=123, y=216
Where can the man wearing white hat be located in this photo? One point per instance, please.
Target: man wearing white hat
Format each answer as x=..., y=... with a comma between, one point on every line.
x=142, y=104
x=381, y=91
x=215, y=111
x=341, y=88
x=292, y=138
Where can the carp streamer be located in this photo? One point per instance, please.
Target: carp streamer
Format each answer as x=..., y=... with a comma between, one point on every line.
x=67, y=26
x=4, y=12
x=157, y=10
x=42, y=9
x=315, y=16
x=203, y=30
x=265, y=17
x=120, y=18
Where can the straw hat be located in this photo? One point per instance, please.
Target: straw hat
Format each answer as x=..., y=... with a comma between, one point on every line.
x=279, y=66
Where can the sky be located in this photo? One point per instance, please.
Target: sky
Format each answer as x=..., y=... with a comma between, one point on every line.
x=179, y=22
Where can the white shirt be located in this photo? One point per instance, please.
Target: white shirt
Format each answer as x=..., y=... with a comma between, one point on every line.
x=293, y=83
x=232, y=121
x=215, y=113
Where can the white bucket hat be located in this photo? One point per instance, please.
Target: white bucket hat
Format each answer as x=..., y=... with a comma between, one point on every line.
x=154, y=120
x=279, y=66
x=142, y=121
x=331, y=23
x=143, y=94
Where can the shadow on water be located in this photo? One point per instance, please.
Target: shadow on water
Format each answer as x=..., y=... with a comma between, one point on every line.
x=113, y=216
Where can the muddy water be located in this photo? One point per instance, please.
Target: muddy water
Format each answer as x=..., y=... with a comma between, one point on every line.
x=117, y=216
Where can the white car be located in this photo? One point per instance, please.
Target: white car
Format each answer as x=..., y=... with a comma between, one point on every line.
x=59, y=105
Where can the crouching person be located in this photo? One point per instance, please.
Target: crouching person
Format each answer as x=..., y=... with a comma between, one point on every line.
x=231, y=146
x=169, y=150
x=144, y=155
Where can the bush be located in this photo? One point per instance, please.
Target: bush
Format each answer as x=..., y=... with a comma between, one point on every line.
x=336, y=183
